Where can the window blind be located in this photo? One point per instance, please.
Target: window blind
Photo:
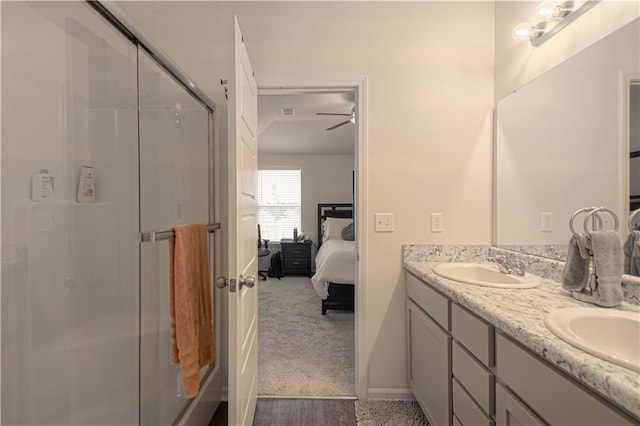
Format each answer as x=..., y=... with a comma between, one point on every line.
x=279, y=203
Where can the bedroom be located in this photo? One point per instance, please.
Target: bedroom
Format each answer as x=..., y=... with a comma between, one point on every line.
x=302, y=165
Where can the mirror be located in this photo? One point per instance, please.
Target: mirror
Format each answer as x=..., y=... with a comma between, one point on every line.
x=563, y=142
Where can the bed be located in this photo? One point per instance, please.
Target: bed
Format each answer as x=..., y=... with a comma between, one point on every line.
x=334, y=278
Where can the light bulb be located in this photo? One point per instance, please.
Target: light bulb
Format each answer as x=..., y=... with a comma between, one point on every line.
x=545, y=10
x=521, y=31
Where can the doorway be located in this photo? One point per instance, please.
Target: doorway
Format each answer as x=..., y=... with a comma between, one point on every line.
x=331, y=166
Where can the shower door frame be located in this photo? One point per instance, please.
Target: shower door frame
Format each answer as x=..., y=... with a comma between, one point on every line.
x=201, y=407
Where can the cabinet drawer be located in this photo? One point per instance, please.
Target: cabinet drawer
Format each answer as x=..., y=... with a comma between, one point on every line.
x=474, y=334
x=557, y=399
x=436, y=305
x=296, y=263
x=296, y=251
x=476, y=379
x=466, y=410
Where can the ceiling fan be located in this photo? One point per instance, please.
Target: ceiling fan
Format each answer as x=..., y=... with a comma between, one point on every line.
x=352, y=117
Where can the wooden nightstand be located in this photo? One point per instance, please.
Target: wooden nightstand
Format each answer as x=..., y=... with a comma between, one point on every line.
x=296, y=257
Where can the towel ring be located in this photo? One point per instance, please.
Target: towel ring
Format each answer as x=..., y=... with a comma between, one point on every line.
x=583, y=210
x=595, y=211
x=632, y=216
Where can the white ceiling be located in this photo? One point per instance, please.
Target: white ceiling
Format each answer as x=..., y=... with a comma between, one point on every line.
x=304, y=132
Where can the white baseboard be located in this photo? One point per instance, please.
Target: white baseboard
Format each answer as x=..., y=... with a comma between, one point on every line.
x=390, y=393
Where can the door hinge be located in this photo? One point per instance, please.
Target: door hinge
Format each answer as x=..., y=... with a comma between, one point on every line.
x=226, y=91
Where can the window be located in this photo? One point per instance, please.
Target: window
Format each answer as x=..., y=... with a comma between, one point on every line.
x=279, y=203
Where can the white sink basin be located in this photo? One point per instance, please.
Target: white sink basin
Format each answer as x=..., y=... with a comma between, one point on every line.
x=606, y=333
x=484, y=274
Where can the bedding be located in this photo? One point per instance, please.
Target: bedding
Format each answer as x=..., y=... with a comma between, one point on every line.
x=336, y=259
x=335, y=263
x=332, y=228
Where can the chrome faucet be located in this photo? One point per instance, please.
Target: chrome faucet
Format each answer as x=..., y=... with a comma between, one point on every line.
x=508, y=266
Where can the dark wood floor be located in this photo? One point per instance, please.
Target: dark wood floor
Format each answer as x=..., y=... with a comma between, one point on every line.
x=307, y=412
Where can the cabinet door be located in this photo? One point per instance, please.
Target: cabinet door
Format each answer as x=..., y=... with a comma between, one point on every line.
x=429, y=362
x=511, y=412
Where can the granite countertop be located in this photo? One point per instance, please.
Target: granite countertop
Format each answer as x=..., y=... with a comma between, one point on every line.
x=520, y=313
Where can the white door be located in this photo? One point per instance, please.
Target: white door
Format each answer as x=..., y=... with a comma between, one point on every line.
x=243, y=296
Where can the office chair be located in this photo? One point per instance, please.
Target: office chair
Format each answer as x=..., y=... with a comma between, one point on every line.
x=262, y=252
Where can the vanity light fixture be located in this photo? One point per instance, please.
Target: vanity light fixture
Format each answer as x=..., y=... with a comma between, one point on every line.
x=551, y=17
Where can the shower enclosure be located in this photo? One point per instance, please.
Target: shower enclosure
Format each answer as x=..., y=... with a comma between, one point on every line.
x=85, y=304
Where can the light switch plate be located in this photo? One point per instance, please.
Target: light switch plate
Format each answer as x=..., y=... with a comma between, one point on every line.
x=437, y=222
x=546, y=222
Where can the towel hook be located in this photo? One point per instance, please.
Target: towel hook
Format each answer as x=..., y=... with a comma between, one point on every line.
x=632, y=217
x=595, y=211
x=583, y=210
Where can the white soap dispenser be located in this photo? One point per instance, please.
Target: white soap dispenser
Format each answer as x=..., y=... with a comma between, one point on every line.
x=42, y=186
x=86, y=185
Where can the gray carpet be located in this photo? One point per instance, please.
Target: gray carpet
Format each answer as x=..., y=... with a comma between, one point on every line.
x=300, y=351
x=389, y=413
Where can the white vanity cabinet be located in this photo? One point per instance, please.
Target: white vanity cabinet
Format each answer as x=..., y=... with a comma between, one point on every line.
x=465, y=372
x=449, y=353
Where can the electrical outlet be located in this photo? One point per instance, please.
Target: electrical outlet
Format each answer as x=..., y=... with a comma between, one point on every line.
x=546, y=222
x=437, y=222
x=383, y=222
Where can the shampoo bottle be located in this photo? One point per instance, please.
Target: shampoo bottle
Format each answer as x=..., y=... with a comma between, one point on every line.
x=86, y=187
x=42, y=186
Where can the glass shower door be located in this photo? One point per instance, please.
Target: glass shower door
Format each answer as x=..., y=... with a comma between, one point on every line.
x=70, y=263
x=174, y=188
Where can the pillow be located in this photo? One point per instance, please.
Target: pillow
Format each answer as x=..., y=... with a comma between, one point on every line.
x=332, y=228
x=348, y=233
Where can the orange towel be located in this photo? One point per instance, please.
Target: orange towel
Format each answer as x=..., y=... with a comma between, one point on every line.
x=190, y=305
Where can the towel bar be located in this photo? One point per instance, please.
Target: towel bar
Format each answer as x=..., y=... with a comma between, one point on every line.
x=632, y=217
x=152, y=237
x=595, y=211
x=584, y=210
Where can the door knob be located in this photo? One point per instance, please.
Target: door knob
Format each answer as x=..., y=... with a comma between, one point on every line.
x=222, y=282
x=247, y=282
